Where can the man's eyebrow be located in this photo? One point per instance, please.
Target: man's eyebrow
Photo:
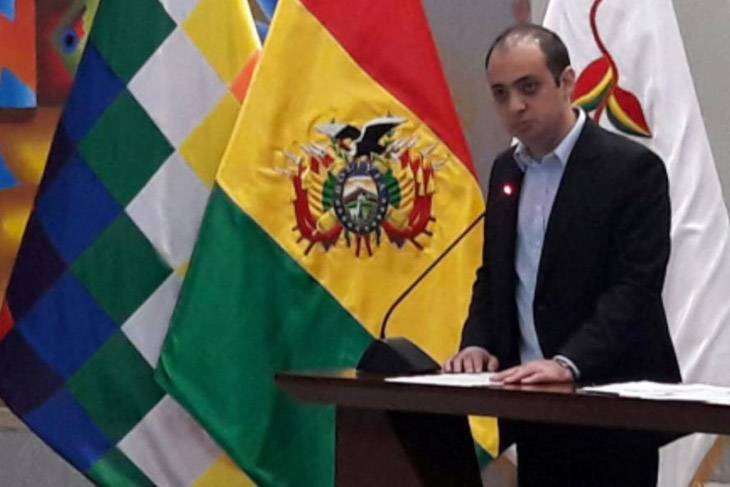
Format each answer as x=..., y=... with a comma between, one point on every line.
x=527, y=77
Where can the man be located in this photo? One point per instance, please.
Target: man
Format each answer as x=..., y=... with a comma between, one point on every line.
x=575, y=253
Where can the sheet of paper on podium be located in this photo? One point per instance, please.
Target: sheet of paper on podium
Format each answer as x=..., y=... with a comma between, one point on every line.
x=455, y=380
x=666, y=392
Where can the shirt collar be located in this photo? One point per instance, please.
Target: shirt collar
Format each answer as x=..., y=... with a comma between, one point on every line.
x=562, y=151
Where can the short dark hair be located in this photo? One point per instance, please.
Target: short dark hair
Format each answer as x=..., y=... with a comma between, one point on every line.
x=556, y=54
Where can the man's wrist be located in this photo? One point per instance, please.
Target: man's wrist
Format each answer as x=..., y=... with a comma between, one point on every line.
x=564, y=361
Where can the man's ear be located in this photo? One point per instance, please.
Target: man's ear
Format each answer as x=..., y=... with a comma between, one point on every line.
x=567, y=81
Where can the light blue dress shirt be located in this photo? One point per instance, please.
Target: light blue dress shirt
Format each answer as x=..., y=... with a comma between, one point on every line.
x=539, y=187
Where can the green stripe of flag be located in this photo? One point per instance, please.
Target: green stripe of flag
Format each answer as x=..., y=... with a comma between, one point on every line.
x=249, y=305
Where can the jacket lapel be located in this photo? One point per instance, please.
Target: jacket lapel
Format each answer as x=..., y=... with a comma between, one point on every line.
x=505, y=220
x=514, y=180
x=578, y=172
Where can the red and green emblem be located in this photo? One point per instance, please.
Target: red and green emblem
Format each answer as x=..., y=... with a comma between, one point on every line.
x=364, y=184
x=597, y=89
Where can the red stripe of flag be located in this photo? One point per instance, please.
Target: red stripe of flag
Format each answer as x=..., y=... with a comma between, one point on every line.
x=402, y=58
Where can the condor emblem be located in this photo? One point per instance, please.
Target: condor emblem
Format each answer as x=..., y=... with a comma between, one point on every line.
x=358, y=186
x=597, y=89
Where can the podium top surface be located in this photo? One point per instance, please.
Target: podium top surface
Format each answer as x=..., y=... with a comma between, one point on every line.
x=551, y=403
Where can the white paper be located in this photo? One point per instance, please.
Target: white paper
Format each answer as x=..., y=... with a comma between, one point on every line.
x=458, y=380
x=666, y=392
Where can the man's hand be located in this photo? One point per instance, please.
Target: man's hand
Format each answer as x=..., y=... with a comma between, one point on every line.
x=471, y=359
x=535, y=372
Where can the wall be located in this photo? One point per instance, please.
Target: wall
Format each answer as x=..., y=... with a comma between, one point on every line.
x=463, y=31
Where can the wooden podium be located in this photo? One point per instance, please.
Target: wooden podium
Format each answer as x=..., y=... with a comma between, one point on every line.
x=394, y=434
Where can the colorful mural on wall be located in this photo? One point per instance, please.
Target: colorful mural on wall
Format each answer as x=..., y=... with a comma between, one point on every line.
x=262, y=11
x=17, y=54
x=40, y=46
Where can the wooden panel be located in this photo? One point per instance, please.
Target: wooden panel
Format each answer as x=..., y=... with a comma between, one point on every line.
x=377, y=448
x=556, y=403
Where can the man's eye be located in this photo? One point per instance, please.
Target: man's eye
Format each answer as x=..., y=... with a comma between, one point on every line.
x=499, y=94
x=529, y=87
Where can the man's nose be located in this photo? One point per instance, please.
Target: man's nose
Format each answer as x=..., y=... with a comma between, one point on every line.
x=516, y=103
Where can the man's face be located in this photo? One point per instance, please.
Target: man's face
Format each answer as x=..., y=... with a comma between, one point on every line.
x=531, y=104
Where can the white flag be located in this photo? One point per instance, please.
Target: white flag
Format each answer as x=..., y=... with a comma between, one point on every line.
x=634, y=77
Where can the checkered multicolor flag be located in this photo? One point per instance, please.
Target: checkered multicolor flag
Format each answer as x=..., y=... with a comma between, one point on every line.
x=132, y=163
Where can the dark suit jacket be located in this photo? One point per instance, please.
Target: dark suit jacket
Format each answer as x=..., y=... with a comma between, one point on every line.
x=598, y=295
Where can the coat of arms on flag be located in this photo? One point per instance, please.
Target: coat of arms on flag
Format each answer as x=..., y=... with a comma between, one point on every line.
x=364, y=183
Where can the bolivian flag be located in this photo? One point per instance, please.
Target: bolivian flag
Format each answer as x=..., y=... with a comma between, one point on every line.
x=346, y=208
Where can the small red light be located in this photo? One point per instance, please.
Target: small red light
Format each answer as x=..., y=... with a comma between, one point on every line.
x=508, y=189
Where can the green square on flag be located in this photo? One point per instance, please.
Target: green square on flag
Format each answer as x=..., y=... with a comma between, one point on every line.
x=125, y=148
x=145, y=27
x=116, y=387
x=121, y=269
x=115, y=468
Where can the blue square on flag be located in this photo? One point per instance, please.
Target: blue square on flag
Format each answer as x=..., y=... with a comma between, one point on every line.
x=37, y=266
x=66, y=326
x=94, y=89
x=65, y=426
x=26, y=381
x=75, y=209
x=62, y=148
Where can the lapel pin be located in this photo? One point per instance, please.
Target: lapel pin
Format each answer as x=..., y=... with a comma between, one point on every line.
x=508, y=189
